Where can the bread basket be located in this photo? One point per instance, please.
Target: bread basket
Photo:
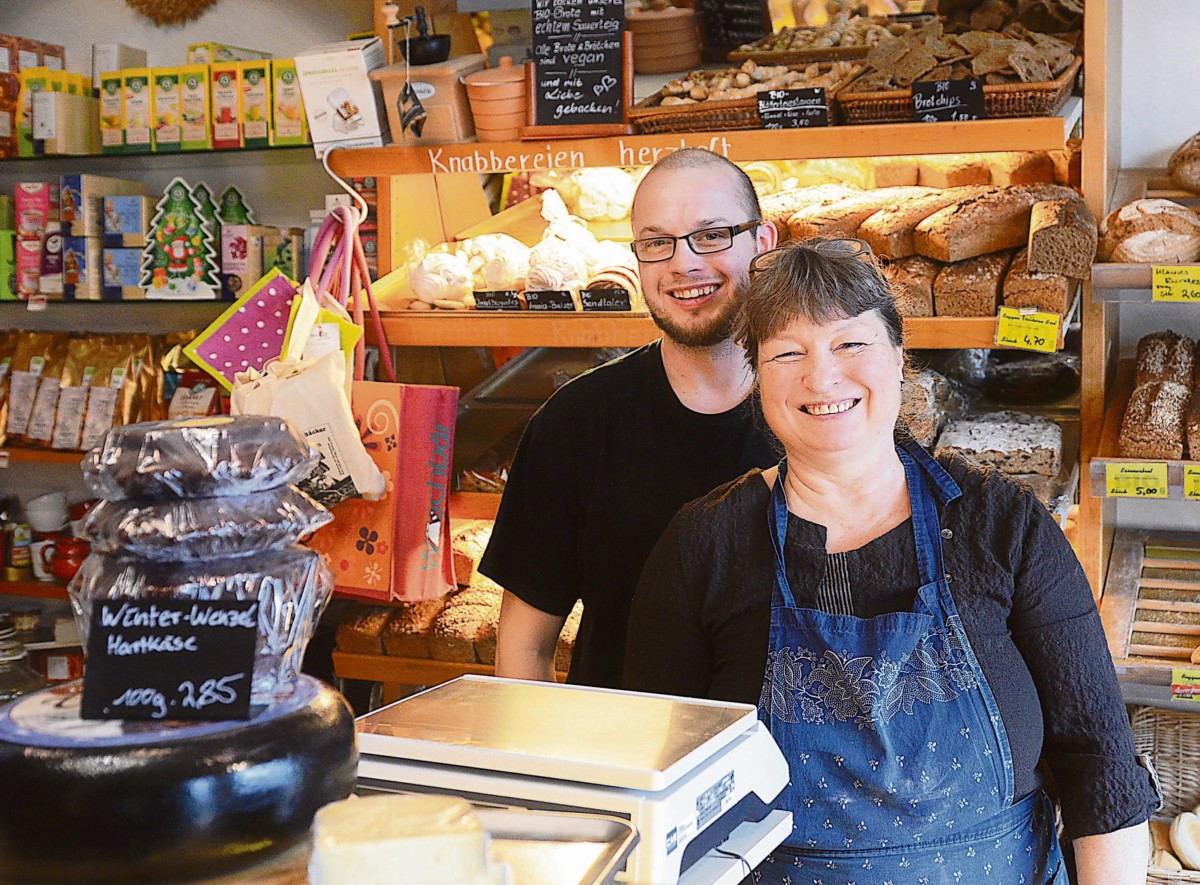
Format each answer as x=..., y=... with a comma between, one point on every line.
x=1172, y=739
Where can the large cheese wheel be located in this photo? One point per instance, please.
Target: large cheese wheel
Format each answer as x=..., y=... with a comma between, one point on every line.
x=122, y=801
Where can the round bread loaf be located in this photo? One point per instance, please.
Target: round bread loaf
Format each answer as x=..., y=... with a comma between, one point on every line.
x=1157, y=247
x=1184, y=165
x=1185, y=839
x=1148, y=217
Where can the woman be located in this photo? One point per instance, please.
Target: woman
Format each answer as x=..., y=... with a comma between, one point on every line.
x=926, y=633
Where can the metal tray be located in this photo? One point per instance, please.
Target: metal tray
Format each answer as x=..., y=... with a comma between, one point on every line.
x=553, y=848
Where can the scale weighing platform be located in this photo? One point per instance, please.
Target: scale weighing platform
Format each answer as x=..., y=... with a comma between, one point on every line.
x=689, y=775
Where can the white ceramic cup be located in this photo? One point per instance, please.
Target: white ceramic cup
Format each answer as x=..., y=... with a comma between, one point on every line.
x=40, y=554
x=47, y=513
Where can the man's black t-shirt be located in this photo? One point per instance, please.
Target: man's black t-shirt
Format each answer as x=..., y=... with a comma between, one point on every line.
x=601, y=469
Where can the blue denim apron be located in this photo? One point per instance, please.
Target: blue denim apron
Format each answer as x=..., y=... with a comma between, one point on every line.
x=900, y=767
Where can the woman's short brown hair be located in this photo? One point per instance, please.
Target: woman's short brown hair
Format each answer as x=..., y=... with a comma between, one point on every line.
x=819, y=280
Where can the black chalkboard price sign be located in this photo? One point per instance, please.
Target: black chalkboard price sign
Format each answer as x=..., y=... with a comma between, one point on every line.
x=793, y=108
x=170, y=659
x=727, y=24
x=605, y=299
x=937, y=101
x=578, y=57
x=549, y=299
x=497, y=299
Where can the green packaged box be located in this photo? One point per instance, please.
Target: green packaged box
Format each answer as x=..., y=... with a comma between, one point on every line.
x=112, y=113
x=8, y=268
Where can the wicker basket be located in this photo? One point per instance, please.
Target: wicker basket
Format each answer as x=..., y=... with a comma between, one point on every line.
x=1005, y=100
x=754, y=51
x=1173, y=741
x=648, y=116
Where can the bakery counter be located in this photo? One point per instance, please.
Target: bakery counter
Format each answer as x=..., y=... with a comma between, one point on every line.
x=1182, y=476
x=395, y=670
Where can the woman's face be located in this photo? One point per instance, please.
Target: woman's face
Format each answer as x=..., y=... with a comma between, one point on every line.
x=832, y=388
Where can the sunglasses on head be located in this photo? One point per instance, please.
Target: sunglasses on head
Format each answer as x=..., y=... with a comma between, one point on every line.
x=844, y=247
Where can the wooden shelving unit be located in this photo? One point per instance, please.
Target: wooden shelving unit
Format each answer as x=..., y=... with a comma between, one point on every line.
x=406, y=671
x=36, y=589
x=16, y=455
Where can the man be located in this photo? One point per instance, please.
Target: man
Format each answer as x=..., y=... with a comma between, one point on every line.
x=605, y=464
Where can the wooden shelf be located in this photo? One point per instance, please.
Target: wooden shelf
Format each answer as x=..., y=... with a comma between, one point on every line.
x=406, y=671
x=474, y=329
x=1013, y=134
x=174, y=158
x=1122, y=389
x=38, y=456
x=38, y=589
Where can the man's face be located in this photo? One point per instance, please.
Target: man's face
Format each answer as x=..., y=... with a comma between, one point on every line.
x=693, y=298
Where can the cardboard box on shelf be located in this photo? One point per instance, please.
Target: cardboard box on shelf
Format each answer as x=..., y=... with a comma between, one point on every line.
x=126, y=220
x=81, y=201
x=28, y=263
x=344, y=106
x=211, y=53
x=33, y=80
x=255, y=112
x=242, y=257
x=10, y=90
x=112, y=113
x=51, y=55
x=35, y=204
x=194, y=108
x=115, y=56
x=66, y=124
x=288, y=123
x=81, y=269
x=50, y=279
x=225, y=84
x=283, y=248
x=122, y=275
x=28, y=54
x=166, y=109
x=138, y=92
x=8, y=267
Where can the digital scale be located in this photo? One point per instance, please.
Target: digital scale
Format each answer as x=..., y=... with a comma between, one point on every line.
x=696, y=778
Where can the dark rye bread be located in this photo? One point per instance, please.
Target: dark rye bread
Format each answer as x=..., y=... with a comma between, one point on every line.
x=1165, y=356
x=1062, y=238
x=911, y=281
x=777, y=208
x=1152, y=426
x=1191, y=427
x=1011, y=442
x=970, y=288
x=890, y=231
x=996, y=220
x=362, y=630
x=841, y=219
x=407, y=633
x=1026, y=288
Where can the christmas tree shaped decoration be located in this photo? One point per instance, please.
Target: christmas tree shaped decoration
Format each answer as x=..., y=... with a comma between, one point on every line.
x=208, y=211
x=233, y=208
x=173, y=264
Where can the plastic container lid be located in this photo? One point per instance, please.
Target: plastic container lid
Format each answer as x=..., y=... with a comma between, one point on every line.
x=506, y=72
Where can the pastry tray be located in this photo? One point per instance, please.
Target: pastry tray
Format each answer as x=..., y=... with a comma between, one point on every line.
x=827, y=53
x=550, y=847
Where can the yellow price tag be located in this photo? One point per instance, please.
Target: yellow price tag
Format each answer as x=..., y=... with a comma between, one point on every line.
x=1191, y=482
x=1176, y=283
x=1028, y=329
x=1140, y=479
x=1185, y=684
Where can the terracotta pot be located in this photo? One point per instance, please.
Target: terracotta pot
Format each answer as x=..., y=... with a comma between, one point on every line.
x=494, y=93
x=505, y=120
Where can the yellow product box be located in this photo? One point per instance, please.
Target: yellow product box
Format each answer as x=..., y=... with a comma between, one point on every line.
x=112, y=113
x=225, y=82
x=195, y=120
x=58, y=81
x=167, y=109
x=212, y=53
x=34, y=79
x=138, y=91
x=256, y=102
x=288, y=123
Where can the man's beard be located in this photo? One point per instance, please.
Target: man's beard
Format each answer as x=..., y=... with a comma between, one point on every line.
x=713, y=331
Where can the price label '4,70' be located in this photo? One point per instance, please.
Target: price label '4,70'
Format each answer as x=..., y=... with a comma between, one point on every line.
x=1028, y=329
x=1136, y=479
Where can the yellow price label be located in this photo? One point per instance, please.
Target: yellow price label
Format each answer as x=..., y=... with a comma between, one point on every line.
x=1028, y=329
x=1191, y=482
x=1140, y=479
x=1176, y=283
x=1185, y=684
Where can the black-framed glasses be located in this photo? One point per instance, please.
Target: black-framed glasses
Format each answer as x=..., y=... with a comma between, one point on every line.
x=701, y=242
x=842, y=247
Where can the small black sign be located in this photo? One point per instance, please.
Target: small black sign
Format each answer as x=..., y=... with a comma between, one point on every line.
x=170, y=659
x=605, y=299
x=579, y=61
x=549, y=299
x=727, y=24
x=497, y=299
x=943, y=100
x=793, y=108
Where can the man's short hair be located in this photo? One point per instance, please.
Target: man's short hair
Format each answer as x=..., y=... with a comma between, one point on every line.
x=700, y=158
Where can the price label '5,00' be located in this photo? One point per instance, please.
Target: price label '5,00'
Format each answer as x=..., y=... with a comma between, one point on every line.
x=1142, y=479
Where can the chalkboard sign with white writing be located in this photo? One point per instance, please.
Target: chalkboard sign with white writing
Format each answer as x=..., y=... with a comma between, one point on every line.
x=727, y=24
x=499, y=299
x=170, y=659
x=578, y=58
x=793, y=108
x=937, y=101
x=549, y=299
x=605, y=299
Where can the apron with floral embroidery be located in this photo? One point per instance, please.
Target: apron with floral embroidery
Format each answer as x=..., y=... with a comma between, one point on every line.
x=900, y=766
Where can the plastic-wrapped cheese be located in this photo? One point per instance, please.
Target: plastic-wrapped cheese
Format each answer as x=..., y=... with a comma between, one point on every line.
x=198, y=458
x=434, y=840
x=291, y=585
x=188, y=529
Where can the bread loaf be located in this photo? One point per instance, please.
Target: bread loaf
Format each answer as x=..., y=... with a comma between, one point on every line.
x=468, y=542
x=1184, y=165
x=1012, y=442
x=1020, y=167
x=970, y=288
x=1068, y=163
x=1152, y=232
x=1023, y=287
x=1152, y=426
x=485, y=642
x=1157, y=247
x=1062, y=239
x=911, y=281
x=455, y=630
x=890, y=231
x=407, y=632
x=362, y=631
x=1165, y=356
x=564, y=648
x=952, y=170
x=777, y=208
x=1191, y=428
x=929, y=398
x=893, y=171
x=841, y=219
x=992, y=221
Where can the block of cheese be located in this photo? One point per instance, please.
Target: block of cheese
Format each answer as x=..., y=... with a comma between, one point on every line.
x=1062, y=238
x=1023, y=287
x=911, y=281
x=890, y=231
x=1011, y=442
x=970, y=288
x=415, y=839
x=1152, y=426
x=841, y=219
